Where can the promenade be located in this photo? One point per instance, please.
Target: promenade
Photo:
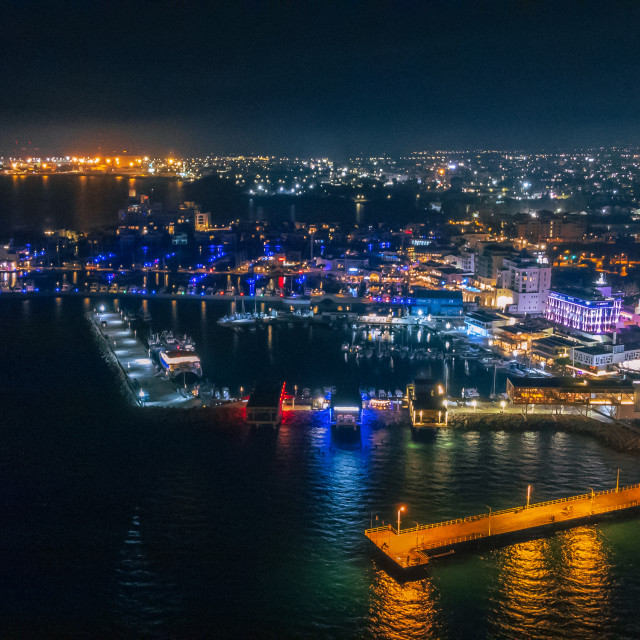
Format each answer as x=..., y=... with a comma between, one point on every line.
x=416, y=545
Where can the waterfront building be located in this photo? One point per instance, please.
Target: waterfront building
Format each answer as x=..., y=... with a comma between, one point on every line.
x=427, y=403
x=517, y=339
x=548, y=349
x=265, y=404
x=485, y=323
x=437, y=303
x=588, y=311
x=620, y=398
x=346, y=409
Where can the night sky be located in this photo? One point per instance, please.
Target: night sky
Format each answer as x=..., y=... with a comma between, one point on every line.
x=312, y=78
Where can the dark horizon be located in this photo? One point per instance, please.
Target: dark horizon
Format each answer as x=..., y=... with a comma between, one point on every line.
x=323, y=79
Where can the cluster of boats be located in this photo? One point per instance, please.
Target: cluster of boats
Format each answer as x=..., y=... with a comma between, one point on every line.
x=383, y=350
x=248, y=319
x=176, y=358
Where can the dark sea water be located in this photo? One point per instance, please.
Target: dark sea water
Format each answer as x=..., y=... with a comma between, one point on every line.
x=114, y=525
x=31, y=204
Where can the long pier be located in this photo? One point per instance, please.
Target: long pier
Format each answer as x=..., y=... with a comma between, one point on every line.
x=136, y=367
x=415, y=547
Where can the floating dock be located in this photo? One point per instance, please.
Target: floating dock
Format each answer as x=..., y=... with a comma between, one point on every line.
x=148, y=386
x=413, y=548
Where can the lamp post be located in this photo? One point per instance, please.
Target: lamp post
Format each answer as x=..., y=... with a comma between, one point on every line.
x=400, y=510
x=488, y=507
x=474, y=403
x=445, y=404
x=502, y=406
x=618, y=481
x=592, y=496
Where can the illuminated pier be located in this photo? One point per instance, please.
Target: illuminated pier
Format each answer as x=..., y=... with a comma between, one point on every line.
x=147, y=385
x=407, y=549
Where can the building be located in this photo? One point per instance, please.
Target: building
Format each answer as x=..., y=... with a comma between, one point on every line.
x=589, y=311
x=551, y=348
x=265, y=405
x=438, y=303
x=202, y=221
x=517, y=339
x=619, y=398
x=489, y=261
x=346, y=409
x=427, y=403
x=602, y=358
x=485, y=323
x=523, y=285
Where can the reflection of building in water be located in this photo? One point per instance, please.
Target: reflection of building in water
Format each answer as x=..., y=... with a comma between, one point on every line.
x=404, y=611
x=556, y=587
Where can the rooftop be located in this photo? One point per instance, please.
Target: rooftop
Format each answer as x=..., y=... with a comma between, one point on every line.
x=572, y=384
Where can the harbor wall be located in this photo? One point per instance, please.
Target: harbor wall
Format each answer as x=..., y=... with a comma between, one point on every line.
x=616, y=435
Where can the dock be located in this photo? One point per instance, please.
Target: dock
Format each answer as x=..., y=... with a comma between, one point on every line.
x=147, y=385
x=415, y=547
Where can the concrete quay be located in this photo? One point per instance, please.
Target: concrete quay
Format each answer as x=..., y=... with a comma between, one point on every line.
x=415, y=547
x=138, y=370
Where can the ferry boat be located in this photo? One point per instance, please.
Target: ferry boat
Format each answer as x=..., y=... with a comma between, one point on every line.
x=177, y=362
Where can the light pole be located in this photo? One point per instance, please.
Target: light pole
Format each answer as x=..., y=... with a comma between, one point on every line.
x=445, y=404
x=400, y=510
x=618, y=481
x=474, y=404
x=488, y=507
x=592, y=496
x=502, y=406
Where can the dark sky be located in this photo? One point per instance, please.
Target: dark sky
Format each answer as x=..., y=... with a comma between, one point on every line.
x=333, y=78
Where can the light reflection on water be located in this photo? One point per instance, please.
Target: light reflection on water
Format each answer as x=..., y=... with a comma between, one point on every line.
x=163, y=525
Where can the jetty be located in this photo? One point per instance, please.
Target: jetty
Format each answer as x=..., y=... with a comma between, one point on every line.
x=408, y=549
x=147, y=385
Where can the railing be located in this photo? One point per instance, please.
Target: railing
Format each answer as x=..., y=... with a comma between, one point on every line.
x=446, y=523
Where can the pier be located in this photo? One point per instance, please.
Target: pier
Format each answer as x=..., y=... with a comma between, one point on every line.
x=415, y=547
x=148, y=386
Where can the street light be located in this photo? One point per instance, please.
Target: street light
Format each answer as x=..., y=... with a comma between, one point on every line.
x=474, y=403
x=400, y=510
x=488, y=507
x=503, y=404
x=592, y=496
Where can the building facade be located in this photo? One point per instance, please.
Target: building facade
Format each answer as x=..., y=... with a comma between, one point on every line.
x=583, y=310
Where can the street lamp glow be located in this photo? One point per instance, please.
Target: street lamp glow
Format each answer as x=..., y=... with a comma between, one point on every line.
x=400, y=510
x=503, y=404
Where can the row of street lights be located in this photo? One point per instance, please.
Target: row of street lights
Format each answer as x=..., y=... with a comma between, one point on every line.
x=529, y=488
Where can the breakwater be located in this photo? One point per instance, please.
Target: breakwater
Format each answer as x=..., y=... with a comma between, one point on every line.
x=614, y=434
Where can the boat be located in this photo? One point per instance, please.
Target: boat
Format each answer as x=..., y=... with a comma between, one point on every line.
x=177, y=363
x=470, y=394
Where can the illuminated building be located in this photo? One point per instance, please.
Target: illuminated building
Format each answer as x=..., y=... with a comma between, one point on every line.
x=584, y=310
x=525, y=284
